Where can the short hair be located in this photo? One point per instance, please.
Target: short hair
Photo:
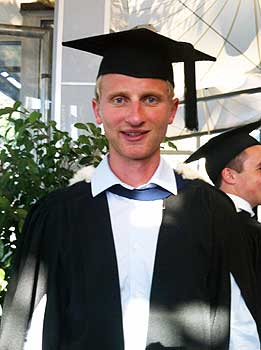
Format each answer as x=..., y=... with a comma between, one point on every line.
x=237, y=164
x=97, y=91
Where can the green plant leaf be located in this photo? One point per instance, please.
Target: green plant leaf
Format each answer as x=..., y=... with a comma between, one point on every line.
x=34, y=116
x=172, y=145
x=4, y=203
x=52, y=123
x=84, y=139
x=81, y=126
x=3, y=282
x=6, y=110
x=2, y=250
x=17, y=104
x=2, y=272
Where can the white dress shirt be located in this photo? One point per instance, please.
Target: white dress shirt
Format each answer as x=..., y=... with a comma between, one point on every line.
x=244, y=335
x=135, y=226
x=241, y=204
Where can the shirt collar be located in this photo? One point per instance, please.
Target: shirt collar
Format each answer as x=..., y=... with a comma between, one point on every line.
x=241, y=204
x=103, y=178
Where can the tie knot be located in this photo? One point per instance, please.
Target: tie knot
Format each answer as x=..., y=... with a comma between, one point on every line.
x=143, y=194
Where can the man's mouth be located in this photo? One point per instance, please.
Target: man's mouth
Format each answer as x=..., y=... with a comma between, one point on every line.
x=134, y=135
x=135, y=132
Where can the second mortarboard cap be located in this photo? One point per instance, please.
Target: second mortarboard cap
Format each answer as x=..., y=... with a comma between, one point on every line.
x=143, y=53
x=221, y=149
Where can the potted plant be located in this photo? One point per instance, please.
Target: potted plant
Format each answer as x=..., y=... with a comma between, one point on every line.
x=35, y=159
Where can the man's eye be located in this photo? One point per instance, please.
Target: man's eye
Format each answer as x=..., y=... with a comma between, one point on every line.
x=151, y=99
x=118, y=100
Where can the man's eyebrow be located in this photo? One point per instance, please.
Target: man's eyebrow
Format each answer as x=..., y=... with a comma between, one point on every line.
x=145, y=93
x=118, y=93
x=153, y=92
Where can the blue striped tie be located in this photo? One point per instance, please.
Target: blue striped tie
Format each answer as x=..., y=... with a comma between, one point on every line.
x=144, y=194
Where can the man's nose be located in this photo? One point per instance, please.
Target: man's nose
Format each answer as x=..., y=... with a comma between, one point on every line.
x=135, y=115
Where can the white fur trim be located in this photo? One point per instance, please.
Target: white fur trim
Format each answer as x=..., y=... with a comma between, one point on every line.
x=84, y=174
x=187, y=173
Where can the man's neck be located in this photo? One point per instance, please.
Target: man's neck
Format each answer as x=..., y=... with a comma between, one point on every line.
x=230, y=190
x=134, y=172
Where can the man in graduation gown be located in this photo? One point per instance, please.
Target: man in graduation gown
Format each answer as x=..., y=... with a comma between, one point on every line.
x=233, y=163
x=136, y=256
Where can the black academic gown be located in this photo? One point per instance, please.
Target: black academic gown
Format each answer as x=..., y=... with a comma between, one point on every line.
x=67, y=251
x=248, y=271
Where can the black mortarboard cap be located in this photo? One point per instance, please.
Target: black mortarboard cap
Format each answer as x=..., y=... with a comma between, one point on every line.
x=143, y=53
x=221, y=149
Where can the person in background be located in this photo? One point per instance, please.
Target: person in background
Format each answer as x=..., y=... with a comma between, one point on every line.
x=137, y=255
x=233, y=163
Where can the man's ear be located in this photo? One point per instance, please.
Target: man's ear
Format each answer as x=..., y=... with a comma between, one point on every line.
x=228, y=175
x=96, y=110
x=175, y=103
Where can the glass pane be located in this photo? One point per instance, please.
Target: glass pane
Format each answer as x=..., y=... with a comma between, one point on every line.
x=25, y=68
x=10, y=72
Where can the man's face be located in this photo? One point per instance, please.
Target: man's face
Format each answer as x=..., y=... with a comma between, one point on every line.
x=135, y=113
x=249, y=180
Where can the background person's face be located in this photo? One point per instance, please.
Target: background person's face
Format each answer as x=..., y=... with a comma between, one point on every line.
x=135, y=113
x=249, y=179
